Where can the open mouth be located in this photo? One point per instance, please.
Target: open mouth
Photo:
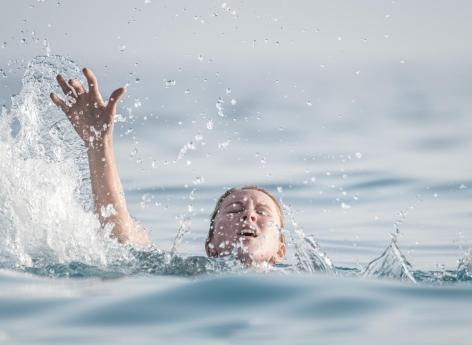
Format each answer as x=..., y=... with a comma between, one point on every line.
x=248, y=232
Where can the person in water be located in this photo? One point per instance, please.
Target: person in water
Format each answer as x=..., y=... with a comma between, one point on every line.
x=246, y=222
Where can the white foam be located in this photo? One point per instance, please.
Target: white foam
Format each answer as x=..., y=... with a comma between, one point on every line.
x=45, y=199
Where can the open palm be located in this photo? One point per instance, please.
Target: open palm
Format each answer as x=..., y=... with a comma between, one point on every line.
x=90, y=116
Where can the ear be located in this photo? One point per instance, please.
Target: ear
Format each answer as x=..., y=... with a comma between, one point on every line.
x=211, y=252
x=280, y=253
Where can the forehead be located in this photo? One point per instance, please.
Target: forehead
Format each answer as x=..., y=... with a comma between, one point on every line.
x=248, y=195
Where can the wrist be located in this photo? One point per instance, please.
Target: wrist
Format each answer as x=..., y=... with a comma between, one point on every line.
x=100, y=148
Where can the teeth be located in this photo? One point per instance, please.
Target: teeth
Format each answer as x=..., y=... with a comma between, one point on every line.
x=248, y=232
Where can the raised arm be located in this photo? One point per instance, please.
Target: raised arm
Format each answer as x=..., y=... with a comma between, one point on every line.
x=93, y=121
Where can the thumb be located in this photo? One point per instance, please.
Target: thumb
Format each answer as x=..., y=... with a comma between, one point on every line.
x=115, y=98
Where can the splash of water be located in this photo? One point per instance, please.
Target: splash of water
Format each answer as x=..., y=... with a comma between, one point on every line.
x=308, y=254
x=464, y=269
x=390, y=264
x=45, y=197
x=184, y=228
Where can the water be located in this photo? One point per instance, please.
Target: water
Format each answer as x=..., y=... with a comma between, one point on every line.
x=376, y=197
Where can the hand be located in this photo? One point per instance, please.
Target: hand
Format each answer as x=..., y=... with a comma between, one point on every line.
x=89, y=115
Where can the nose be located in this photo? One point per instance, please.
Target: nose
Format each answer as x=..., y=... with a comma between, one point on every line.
x=249, y=216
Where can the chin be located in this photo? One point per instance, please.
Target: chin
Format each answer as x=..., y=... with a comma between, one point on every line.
x=249, y=257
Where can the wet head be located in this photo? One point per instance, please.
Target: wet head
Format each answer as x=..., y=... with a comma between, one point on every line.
x=247, y=223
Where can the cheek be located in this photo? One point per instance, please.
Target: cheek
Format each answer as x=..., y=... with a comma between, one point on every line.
x=269, y=224
x=223, y=228
x=271, y=230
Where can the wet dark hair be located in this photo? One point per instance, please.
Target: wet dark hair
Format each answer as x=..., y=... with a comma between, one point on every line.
x=213, y=253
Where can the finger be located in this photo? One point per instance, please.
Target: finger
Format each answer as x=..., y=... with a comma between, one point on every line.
x=77, y=86
x=115, y=98
x=65, y=88
x=59, y=102
x=92, y=83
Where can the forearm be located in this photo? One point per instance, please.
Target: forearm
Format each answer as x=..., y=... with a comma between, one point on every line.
x=107, y=189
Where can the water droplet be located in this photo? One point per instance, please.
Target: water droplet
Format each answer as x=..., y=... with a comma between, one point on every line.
x=137, y=103
x=119, y=118
x=107, y=211
x=198, y=180
x=223, y=145
x=308, y=103
x=133, y=153
x=233, y=102
x=387, y=16
x=187, y=91
x=137, y=80
x=340, y=38
x=169, y=83
x=198, y=137
x=147, y=1
x=358, y=72
x=200, y=57
x=228, y=91
x=358, y=155
x=435, y=195
x=23, y=40
x=191, y=196
x=462, y=186
x=210, y=125
x=122, y=48
x=146, y=199
x=219, y=107
x=280, y=189
x=345, y=206
x=4, y=44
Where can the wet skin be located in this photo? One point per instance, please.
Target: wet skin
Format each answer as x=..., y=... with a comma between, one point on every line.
x=248, y=225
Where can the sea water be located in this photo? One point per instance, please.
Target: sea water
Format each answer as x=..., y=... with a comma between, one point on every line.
x=376, y=198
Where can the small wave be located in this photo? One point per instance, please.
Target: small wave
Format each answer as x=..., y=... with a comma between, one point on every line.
x=390, y=264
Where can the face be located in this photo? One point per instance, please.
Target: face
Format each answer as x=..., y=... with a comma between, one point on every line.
x=247, y=224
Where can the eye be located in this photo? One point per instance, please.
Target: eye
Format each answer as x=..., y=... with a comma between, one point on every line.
x=263, y=212
x=235, y=208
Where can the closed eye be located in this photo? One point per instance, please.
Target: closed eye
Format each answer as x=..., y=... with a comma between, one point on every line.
x=234, y=211
x=234, y=208
x=263, y=212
